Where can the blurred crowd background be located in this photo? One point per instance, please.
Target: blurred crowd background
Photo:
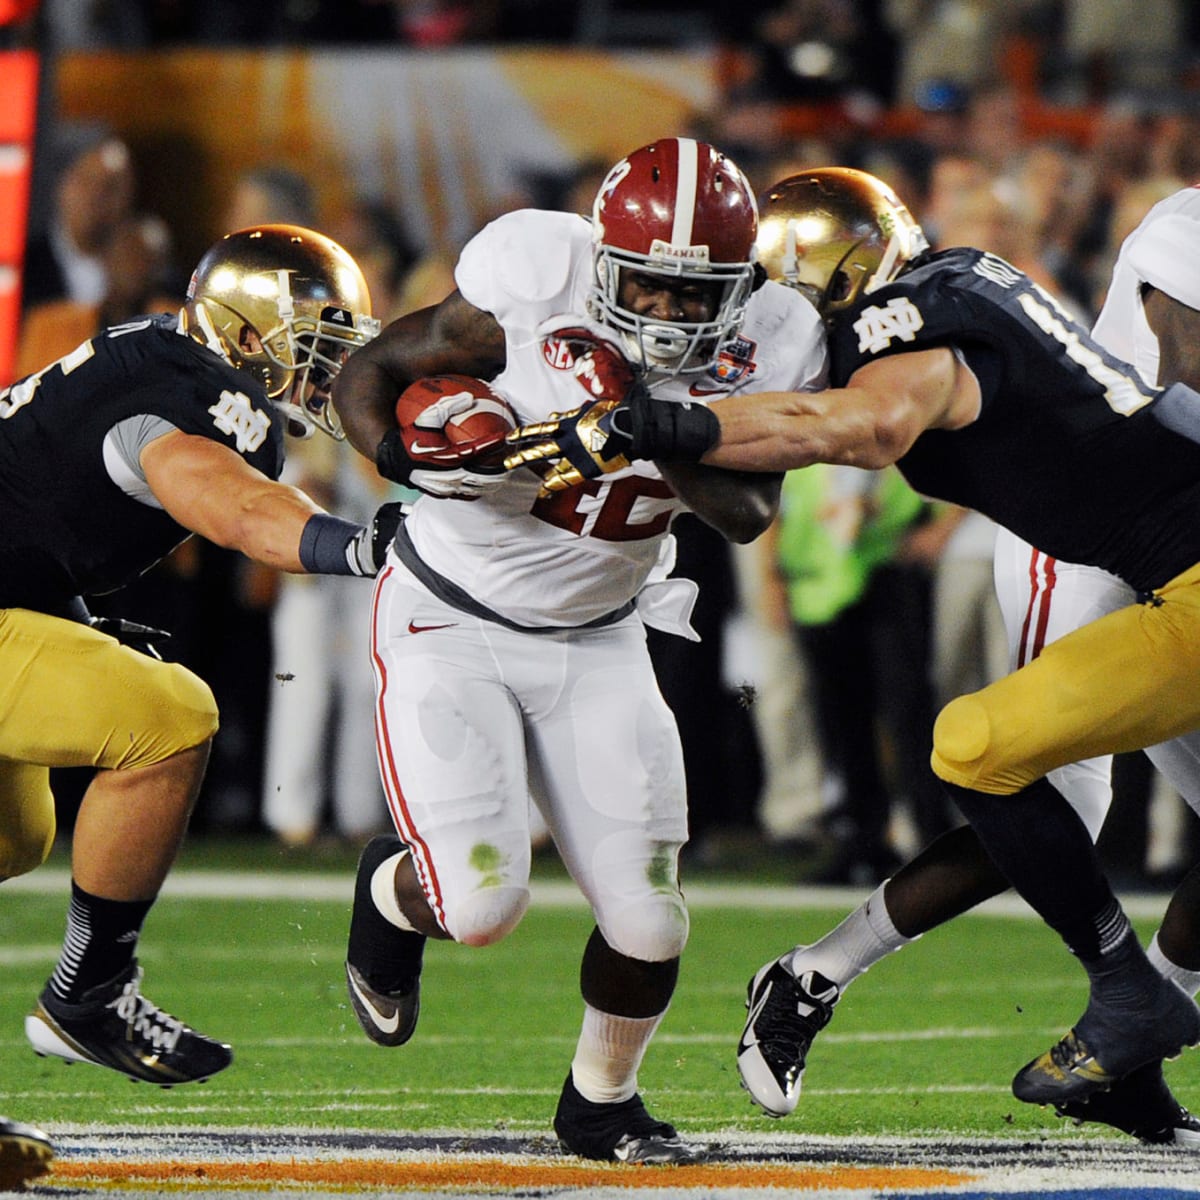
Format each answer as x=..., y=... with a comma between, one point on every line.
x=1039, y=129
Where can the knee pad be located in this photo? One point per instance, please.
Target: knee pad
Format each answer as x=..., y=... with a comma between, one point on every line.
x=178, y=714
x=960, y=735
x=487, y=915
x=654, y=929
x=965, y=751
x=194, y=708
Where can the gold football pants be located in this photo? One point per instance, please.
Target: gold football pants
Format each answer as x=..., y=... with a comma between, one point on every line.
x=1123, y=682
x=72, y=697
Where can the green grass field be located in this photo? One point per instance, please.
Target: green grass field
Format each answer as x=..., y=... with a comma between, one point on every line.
x=925, y=1044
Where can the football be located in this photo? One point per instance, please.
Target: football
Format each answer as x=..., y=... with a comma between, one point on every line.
x=486, y=415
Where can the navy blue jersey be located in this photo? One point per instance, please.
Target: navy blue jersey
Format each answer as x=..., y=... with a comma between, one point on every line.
x=66, y=529
x=1066, y=452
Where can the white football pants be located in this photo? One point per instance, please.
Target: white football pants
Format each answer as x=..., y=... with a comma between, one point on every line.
x=472, y=717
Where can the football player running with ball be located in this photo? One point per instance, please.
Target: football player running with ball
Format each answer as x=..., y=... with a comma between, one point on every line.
x=957, y=368
x=109, y=458
x=508, y=636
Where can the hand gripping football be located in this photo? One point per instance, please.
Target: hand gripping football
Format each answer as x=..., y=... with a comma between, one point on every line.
x=450, y=420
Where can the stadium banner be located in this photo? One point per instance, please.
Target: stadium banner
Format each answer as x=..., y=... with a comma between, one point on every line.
x=447, y=139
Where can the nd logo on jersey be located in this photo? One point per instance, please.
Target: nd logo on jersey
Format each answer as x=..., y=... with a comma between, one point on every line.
x=234, y=414
x=876, y=326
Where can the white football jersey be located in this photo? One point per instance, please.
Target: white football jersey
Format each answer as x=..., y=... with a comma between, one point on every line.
x=584, y=552
x=1164, y=251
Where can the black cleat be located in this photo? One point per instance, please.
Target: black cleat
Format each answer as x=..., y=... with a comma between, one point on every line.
x=620, y=1132
x=1141, y=1105
x=383, y=963
x=25, y=1154
x=786, y=1014
x=115, y=1026
x=1108, y=1044
x=388, y=1018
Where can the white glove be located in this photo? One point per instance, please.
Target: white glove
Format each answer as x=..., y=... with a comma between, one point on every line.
x=456, y=484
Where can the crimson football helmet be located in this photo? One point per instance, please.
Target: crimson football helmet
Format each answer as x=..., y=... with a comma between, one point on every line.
x=304, y=298
x=835, y=234
x=681, y=209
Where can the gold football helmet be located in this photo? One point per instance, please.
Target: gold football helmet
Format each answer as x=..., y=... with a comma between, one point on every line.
x=835, y=234
x=286, y=305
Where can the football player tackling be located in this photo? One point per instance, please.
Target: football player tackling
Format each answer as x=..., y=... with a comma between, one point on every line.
x=109, y=458
x=952, y=874
x=508, y=634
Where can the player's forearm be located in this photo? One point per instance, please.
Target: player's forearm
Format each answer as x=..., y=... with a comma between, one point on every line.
x=364, y=396
x=266, y=525
x=739, y=505
x=784, y=431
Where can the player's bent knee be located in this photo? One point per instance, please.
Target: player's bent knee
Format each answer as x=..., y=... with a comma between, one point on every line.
x=960, y=735
x=24, y=853
x=27, y=818
x=653, y=930
x=966, y=752
x=961, y=739
x=487, y=915
x=180, y=713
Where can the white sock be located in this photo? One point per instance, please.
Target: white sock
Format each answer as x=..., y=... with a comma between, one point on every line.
x=383, y=891
x=1188, y=980
x=609, y=1053
x=847, y=950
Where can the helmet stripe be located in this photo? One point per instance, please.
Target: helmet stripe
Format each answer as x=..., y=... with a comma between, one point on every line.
x=686, y=183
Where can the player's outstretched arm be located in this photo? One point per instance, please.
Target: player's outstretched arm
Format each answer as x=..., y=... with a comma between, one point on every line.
x=886, y=405
x=213, y=491
x=871, y=422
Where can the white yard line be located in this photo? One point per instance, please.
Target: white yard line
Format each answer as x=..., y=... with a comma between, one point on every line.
x=286, y=885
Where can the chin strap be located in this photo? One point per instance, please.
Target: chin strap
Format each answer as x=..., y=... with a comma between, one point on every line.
x=212, y=339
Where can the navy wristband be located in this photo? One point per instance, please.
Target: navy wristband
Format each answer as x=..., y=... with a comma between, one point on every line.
x=325, y=545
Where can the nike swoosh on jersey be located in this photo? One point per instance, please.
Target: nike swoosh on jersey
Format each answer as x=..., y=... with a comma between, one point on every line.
x=413, y=628
x=749, y=1037
x=417, y=448
x=385, y=1024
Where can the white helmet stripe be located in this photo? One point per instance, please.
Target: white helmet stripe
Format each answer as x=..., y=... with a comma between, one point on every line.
x=685, y=191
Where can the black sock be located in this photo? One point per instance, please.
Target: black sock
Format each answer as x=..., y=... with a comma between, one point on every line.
x=388, y=957
x=1039, y=843
x=1121, y=974
x=101, y=941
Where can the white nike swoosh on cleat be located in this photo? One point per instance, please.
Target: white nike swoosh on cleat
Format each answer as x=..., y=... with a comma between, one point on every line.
x=384, y=1024
x=749, y=1037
